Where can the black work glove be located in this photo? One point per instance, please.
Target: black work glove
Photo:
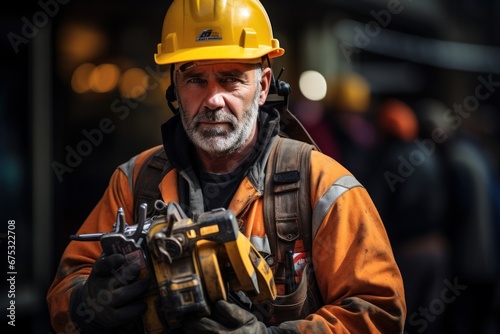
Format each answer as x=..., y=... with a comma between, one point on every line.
x=231, y=319
x=110, y=297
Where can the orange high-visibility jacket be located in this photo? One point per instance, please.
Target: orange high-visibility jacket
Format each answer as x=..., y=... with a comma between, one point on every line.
x=355, y=269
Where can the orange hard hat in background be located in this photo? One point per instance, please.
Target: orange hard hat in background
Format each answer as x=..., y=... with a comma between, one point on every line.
x=398, y=119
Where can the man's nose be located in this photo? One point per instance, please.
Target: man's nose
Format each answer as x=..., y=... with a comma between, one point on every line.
x=214, y=98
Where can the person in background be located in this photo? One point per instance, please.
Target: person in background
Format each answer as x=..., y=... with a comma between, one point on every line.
x=472, y=218
x=407, y=186
x=340, y=124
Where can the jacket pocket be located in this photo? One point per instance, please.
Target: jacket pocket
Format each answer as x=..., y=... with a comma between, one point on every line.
x=297, y=305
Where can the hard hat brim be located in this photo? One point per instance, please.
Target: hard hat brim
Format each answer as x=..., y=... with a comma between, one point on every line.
x=216, y=52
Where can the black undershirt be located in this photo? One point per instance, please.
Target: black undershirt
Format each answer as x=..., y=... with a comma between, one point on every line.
x=219, y=188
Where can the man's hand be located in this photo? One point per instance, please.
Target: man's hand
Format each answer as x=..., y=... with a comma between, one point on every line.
x=231, y=318
x=110, y=297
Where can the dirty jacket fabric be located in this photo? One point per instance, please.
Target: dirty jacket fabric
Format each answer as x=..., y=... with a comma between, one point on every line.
x=354, y=266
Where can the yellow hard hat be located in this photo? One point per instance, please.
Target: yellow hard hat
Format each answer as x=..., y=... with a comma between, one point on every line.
x=349, y=92
x=216, y=29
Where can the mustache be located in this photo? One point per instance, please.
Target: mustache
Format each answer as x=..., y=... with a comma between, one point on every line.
x=215, y=116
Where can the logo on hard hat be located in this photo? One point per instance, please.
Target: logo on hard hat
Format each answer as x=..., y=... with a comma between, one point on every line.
x=208, y=35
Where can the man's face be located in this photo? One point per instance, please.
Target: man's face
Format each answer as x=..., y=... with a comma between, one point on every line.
x=219, y=104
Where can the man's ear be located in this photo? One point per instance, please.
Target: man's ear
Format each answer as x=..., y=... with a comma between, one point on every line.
x=265, y=84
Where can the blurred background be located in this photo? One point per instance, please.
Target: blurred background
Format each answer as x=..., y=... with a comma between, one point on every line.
x=404, y=93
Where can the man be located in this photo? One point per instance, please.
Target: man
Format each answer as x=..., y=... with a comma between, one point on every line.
x=218, y=145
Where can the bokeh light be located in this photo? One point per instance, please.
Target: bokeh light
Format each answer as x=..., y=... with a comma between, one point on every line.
x=312, y=85
x=104, y=78
x=80, y=81
x=133, y=83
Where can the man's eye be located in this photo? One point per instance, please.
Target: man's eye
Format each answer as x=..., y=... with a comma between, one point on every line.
x=230, y=80
x=195, y=80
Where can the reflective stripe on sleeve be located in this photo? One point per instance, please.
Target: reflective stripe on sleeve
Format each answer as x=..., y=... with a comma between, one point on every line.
x=128, y=169
x=261, y=244
x=336, y=190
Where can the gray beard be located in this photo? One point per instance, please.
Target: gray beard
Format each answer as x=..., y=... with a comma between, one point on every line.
x=217, y=141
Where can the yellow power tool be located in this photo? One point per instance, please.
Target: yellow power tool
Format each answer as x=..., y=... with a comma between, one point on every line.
x=194, y=262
